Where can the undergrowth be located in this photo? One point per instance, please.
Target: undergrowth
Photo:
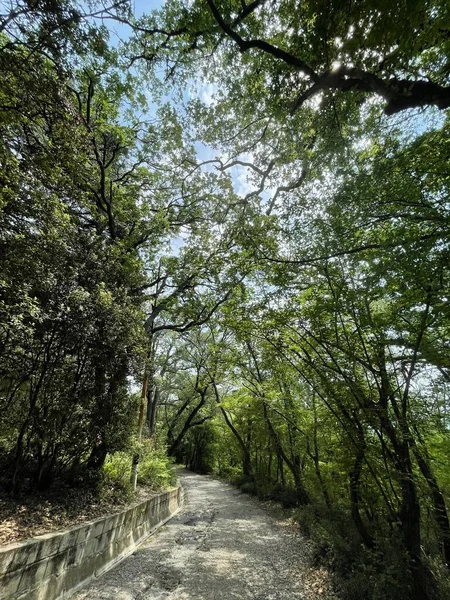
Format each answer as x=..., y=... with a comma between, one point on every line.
x=358, y=573
x=156, y=471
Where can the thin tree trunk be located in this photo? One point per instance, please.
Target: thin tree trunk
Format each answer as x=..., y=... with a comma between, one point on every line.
x=355, y=476
x=246, y=460
x=141, y=418
x=439, y=508
x=188, y=423
x=152, y=410
x=294, y=466
x=315, y=457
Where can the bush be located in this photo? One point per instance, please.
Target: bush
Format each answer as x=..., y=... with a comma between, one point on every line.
x=267, y=490
x=156, y=469
x=230, y=474
x=248, y=487
x=115, y=483
x=288, y=498
x=359, y=573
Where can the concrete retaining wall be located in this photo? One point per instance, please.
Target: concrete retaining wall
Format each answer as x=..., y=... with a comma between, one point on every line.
x=54, y=565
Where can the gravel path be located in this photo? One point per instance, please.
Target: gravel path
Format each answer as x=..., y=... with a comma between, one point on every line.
x=222, y=546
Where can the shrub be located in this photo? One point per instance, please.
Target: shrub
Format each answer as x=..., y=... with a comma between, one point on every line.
x=230, y=474
x=248, y=487
x=267, y=490
x=115, y=482
x=156, y=469
x=288, y=498
x=359, y=573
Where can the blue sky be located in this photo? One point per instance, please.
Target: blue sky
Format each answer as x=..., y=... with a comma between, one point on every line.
x=140, y=7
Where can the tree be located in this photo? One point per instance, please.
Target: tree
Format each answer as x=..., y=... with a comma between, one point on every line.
x=315, y=48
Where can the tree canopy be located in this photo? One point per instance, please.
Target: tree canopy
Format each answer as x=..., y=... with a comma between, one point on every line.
x=226, y=238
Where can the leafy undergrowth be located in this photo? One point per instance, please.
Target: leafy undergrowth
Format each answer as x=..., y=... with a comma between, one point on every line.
x=359, y=573
x=156, y=469
x=339, y=562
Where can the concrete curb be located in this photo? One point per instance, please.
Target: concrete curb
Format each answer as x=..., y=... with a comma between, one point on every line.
x=54, y=566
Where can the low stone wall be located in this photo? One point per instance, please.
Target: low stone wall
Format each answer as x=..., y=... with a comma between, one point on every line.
x=54, y=565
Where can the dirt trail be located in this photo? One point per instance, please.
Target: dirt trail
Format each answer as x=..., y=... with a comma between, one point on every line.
x=222, y=546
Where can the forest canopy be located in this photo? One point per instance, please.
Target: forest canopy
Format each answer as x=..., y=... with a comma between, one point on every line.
x=224, y=237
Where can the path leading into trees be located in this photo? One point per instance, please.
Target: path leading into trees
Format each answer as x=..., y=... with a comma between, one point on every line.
x=223, y=545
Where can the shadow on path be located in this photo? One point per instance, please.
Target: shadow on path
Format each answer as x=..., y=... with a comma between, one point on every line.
x=222, y=545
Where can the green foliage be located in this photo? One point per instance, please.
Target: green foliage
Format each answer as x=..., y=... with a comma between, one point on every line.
x=359, y=573
x=115, y=481
x=71, y=325
x=265, y=489
x=92, y=197
x=249, y=487
x=291, y=321
x=156, y=469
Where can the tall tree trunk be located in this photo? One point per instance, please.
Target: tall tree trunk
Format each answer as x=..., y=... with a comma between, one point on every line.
x=173, y=449
x=315, y=456
x=246, y=459
x=355, y=476
x=409, y=512
x=269, y=464
x=294, y=466
x=152, y=391
x=152, y=409
x=97, y=457
x=439, y=508
x=409, y=516
x=141, y=419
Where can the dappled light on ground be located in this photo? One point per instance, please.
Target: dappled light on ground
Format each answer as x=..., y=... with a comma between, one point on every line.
x=222, y=545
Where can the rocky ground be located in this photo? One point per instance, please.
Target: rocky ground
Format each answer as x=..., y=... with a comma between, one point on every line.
x=223, y=545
